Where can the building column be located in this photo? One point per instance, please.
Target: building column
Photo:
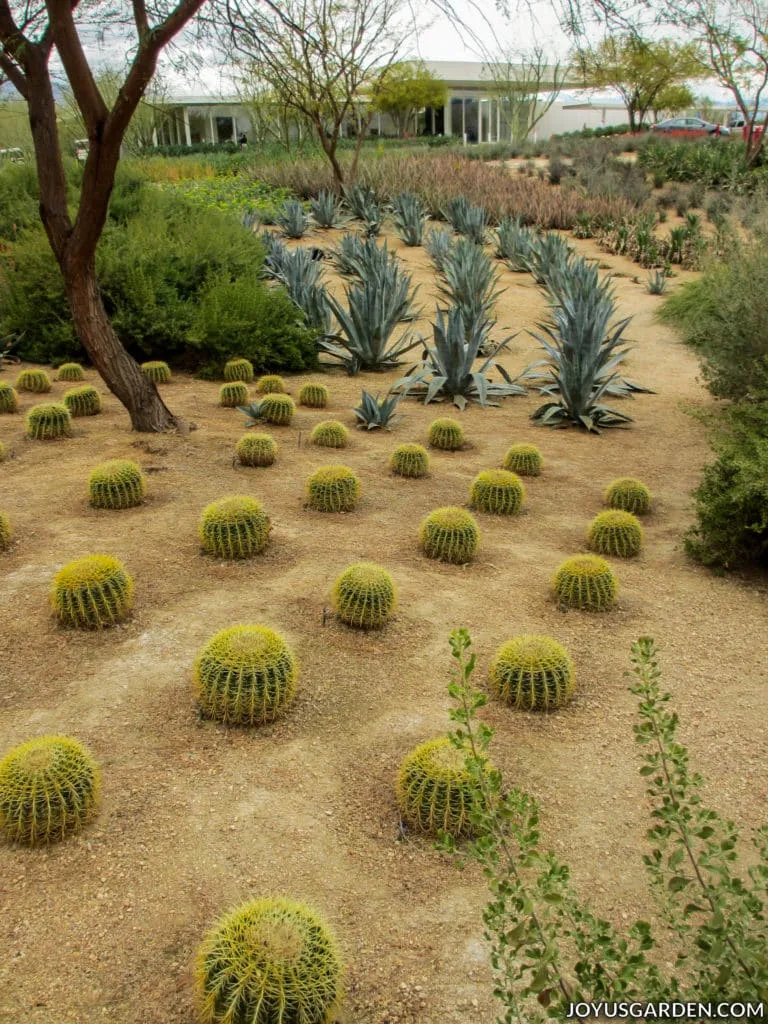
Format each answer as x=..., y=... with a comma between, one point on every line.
x=187, y=136
x=447, y=127
x=464, y=119
x=498, y=120
x=211, y=125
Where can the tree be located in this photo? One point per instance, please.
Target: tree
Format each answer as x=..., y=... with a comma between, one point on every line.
x=324, y=59
x=29, y=35
x=271, y=120
x=407, y=88
x=639, y=70
x=674, y=99
x=527, y=84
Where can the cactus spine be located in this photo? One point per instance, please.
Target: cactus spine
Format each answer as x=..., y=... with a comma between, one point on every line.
x=116, y=484
x=6, y=531
x=450, y=534
x=36, y=381
x=330, y=434
x=84, y=401
x=435, y=791
x=532, y=673
x=270, y=384
x=446, y=434
x=245, y=675
x=615, y=533
x=333, y=489
x=9, y=400
x=270, y=961
x=629, y=495
x=277, y=408
x=497, y=491
x=48, y=421
x=49, y=788
x=234, y=527
x=92, y=592
x=524, y=459
x=233, y=394
x=364, y=595
x=409, y=460
x=71, y=372
x=157, y=371
x=586, y=582
x=314, y=396
x=256, y=450
x=239, y=369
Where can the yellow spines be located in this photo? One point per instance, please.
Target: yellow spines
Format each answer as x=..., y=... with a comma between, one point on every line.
x=450, y=534
x=256, y=450
x=524, y=459
x=364, y=595
x=277, y=408
x=446, y=434
x=233, y=394
x=116, y=484
x=234, y=527
x=36, y=381
x=71, y=372
x=157, y=371
x=9, y=400
x=48, y=422
x=409, y=460
x=628, y=495
x=333, y=489
x=270, y=384
x=435, y=791
x=314, y=396
x=83, y=401
x=586, y=582
x=6, y=531
x=239, y=369
x=532, y=673
x=497, y=491
x=330, y=434
x=92, y=592
x=615, y=533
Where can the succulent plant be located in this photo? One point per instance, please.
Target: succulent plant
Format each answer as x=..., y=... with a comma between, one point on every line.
x=92, y=592
x=347, y=255
x=466, y=219
x=615, y=533
x=450, y=534
x=657, y=282
x=373, y=413
x=515, y=244
x=117, y=484
x=48, y=421
x=233, y=394
x=524, y=459
x=157, y=371
x=234, y=527
x=83, y=401
x=586, y=582
x=299, y=273
x=36, y=381
x=256, y=450
x=3, y=452
x=270, y=384
x=435, y=790
x=314, y=396
x=446, y=434
x=364, y=595
x=9, y=400
x=410, y=460
x=71, y=372
x=327, y=209
x=245, y=675
x=277, y=409
x=49, y=789
x=333, y=489
x=330, y=434
x=532, y=673
x=6, y=531
x=239, y=369
x=497, y=491
x=270, y=961
x=629, y=495
x=292, y=219
x=469, y=282
x=438, y=244
x=410, y=216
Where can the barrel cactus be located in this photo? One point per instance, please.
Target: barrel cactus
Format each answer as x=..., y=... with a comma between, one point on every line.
x=277, y=408
x=497, y=491
x=245, y=675
x=116, y=484
x=6, y=531
x=435, y=790
x=49, y=789
x=524, y=459
x=629, y=495
x=446, y=434
x=71, y=372
x=270, y=961
x=234, y=527
x=9, y=400
x=256, y=450
x=410, y=460
x=330, y=434
x=3, y=452
x=92, y=592
x=239, y=369
x=270, y=384
x=233, y=394
x=83, y=401
x=314, y=396
x=333, y=489
x=450, y=534
x=157, y=371
x=615, y=533
x=49, y=421
x=532, y=673
x=36, y=381
x=364, y=595
x=586, y=582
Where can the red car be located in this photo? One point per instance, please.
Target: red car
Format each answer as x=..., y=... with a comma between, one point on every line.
x=689, y=127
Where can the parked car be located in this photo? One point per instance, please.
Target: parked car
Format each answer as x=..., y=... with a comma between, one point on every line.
x=689, y=127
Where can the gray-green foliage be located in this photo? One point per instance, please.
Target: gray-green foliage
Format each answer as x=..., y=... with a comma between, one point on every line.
x=467, y=219
x=437, y=245
x=515, y=244
x=276, y=253
x=292, y=219
x=347, y=254
x=469, y=282
x=327, y=209
x=548, y=257
x=410, y=216
x=373, y=413
x=657, y=282
x=300, y=274
x=365, y=207
x=548, y=948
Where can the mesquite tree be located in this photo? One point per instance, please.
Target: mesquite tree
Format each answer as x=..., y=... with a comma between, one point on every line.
x=30, y=36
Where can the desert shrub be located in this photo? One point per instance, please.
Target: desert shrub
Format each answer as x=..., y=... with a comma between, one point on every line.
x=709, y=163
x=364, y=595
x=92, y=592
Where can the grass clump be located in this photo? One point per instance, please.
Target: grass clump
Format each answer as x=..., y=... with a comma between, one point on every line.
x=333, y=489
x=497, y=491
x=234, y=527
x=532, y=673
x=92, y=592
x=450, y=534
x=364, y=596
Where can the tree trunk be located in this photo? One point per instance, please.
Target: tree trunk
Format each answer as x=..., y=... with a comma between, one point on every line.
x=121, y=373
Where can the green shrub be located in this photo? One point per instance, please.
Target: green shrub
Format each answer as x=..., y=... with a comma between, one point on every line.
x=117, y=484
x=533, y=673
x=83, y=401
x=48, y=422
x=333, y=489
x=92, y=592
x=450, y=534
x=364, y=596
x=234, y=527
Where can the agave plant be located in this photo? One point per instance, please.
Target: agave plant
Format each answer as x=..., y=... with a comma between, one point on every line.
x=373, y=220
x=373, y=413
x=369, y=261
x=470, y=283
x=346, y=257
x=359, y=198
x=456, y=212
x=514, y=244
x=326, y=209
x=549, y=256
x=437, y=245
x=657, y=281
x=447, y=369
x=276, y=254
x=300, y=274
x=292, y=219
x=468, y=220
x=410, y=216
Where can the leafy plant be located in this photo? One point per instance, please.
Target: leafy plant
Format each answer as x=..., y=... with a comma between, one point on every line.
x=292, y=219
x=469, y=282
x=347, y=255
x=410, y=216
x=515, y=244
x=438, y=244
x=299, y=273
x=467, y=219
x=373, y=413
x=359, y=199
x=326, y=209
x=657, y=282
x=549, y=256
